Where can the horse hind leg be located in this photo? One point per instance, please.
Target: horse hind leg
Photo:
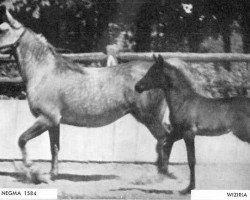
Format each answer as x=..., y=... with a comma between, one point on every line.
x=164, y=152
x=54, y=134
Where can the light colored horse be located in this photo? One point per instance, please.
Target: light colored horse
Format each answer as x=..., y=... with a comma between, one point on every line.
x=61, y=91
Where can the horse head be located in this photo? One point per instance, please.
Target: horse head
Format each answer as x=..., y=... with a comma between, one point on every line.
x=153, y=78
x=10, y=29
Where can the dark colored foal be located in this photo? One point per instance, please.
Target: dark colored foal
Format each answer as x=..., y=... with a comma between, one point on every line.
x=192, y=114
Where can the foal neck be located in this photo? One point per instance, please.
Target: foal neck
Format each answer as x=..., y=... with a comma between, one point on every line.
x=178, y=90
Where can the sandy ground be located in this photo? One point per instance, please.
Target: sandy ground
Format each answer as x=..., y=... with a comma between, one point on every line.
x=131, y=181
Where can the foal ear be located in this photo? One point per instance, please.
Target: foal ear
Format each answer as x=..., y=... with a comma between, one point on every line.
x=160, y=59
x=155, y=58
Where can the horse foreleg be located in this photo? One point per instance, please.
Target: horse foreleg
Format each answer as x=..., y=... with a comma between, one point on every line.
x=189, y=141
x=163, y=148
x=54, y=134
x=40, y=126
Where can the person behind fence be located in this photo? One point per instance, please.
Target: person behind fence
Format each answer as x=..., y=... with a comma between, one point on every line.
x=112, y=51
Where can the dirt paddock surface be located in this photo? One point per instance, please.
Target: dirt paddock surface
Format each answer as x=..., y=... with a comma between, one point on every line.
x=128, y=181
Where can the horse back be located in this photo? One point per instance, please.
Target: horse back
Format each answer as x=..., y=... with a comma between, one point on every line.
x=105, y=93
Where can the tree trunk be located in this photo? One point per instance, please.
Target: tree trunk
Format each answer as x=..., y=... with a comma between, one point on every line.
x=226, y=33
x=246, y=34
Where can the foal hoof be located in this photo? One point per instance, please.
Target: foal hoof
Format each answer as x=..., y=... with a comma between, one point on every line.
x=186, y=191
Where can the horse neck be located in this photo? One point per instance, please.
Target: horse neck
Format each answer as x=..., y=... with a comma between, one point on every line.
x=33, y=54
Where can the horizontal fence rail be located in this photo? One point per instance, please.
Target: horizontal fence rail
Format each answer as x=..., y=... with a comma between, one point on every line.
x=194, y=57
x=129, y=56
x=16, y=80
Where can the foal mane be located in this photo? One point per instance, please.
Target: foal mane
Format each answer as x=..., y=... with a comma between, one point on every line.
x=177, y=75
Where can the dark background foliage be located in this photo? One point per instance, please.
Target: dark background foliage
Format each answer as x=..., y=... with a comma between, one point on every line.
x=159, y=25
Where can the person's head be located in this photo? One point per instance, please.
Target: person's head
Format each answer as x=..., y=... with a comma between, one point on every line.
x=112, y=50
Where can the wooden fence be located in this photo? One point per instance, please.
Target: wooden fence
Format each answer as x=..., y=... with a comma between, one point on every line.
x=128, y=56
x=124, y=140
x=192, y=57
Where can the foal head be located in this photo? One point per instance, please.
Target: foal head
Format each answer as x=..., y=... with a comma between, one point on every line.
x=155, y=77
x=165, y=75
x=10, y=29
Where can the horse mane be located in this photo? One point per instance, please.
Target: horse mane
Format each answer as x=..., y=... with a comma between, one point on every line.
x=41, y=47
x=178, y=76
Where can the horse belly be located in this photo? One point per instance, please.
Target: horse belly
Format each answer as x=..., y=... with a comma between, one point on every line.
x=212, y=129
x=209, y=132
x=88, y=118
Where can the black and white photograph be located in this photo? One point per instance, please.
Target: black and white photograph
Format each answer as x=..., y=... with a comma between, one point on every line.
x=125, y=99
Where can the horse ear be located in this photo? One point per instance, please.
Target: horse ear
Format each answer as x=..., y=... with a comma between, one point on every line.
x=4, y=26
x=160, y=59
x=14, y=23
x=155, y=58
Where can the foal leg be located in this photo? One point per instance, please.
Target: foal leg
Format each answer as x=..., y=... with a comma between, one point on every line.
x=189, y=141
x=54, y=134
x=41, y=125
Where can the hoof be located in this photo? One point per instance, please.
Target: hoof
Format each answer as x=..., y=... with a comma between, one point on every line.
x=38, y=178
x=53, y=175
x=186, y=191
x=28, y=163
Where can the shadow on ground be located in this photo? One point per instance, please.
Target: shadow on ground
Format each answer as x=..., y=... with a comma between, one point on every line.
x=84, y=178
x=20, y=177
x=150, y=191
x=69, y=177
x=11, y=174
